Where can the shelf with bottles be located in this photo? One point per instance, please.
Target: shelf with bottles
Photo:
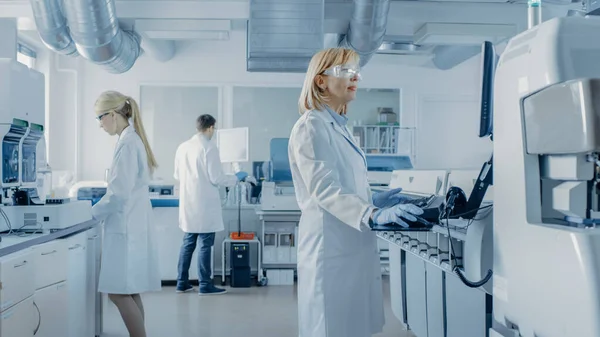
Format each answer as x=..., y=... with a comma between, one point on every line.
x=385, y=139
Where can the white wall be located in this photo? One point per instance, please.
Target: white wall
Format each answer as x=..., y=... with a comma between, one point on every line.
x=271, y=113
x=169, y=115
x=222, y=64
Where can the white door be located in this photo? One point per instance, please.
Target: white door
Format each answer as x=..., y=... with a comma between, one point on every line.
x=52, y=304
x=20, y=320
x=77, y=280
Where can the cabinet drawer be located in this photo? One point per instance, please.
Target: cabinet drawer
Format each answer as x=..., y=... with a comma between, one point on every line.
x=17, y=278
x=50, y=263
x=20, y=320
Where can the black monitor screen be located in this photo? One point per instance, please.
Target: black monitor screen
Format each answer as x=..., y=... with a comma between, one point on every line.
x=488, y=68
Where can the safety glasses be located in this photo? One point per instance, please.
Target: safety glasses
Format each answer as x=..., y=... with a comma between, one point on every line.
x=346, y=71
x=99, y=117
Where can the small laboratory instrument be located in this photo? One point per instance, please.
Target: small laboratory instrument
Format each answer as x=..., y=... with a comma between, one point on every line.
x=240, y=265
x=546, y=197
x=387, y=116
x=158, y=189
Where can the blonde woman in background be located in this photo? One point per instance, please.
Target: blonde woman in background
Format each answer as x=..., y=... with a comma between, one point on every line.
x=339, y=274
x=129, y=259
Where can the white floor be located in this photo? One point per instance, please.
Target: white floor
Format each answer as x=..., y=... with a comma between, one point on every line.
x=267, y=311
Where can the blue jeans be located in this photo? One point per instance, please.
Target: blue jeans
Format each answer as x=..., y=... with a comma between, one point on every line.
x=207, y=240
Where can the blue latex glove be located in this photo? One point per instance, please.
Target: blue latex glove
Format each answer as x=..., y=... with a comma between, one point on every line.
x=389, y=198
x=395, y=213
x=241, y=175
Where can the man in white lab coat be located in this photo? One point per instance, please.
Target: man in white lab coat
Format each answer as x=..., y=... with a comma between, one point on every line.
x=200, y=174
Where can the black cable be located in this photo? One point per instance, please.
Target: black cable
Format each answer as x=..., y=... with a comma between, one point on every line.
x=459, y=272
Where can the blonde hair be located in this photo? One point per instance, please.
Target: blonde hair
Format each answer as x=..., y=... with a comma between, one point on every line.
x=128, y=108
x=313, y=97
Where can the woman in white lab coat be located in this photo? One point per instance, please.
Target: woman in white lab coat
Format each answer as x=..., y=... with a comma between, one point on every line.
x=339, y=273
x=129, y=260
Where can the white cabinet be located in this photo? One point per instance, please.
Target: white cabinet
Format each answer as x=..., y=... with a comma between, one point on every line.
x=50, y=263
x=51, y=295
x=52, y=302
x=93, y=299
x=21, y=320
x=170, y=238
x=76, y=279
x=17, y=279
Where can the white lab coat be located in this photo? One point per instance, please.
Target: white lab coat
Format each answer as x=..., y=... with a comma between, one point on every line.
x=129, y=248
x=339, y=273
x=200, y=173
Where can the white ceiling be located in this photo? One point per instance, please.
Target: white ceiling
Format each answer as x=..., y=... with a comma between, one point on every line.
x=199, y=20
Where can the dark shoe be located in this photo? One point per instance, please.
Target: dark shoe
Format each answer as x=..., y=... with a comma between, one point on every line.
x=212, y=290
x=186, y=289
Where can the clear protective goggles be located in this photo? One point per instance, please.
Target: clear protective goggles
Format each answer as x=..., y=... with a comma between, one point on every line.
x=347, y=71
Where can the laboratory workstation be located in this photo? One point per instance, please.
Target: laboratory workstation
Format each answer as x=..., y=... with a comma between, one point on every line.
x=307, y=168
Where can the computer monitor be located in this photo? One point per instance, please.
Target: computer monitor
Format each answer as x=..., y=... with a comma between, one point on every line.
x=488, y=68
x=233, y=145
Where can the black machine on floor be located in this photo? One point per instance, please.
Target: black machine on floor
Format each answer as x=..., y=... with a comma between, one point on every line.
x=240, y=265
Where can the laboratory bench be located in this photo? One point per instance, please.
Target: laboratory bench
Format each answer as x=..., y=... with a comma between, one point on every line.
x=49, y=283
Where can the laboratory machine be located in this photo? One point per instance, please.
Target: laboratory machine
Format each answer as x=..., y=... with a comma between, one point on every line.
x=279, y=214
x=22, y=117
x=440, y=265
x=546, y=197
x=279, y=194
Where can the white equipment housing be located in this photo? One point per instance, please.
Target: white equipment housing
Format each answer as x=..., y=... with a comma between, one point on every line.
x=49, y=217
x=278, y=197
x=546, y=142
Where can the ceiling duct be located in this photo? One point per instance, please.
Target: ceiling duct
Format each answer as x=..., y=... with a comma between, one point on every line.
x=52, y=26
x=95, y=29
x=447, y=57
x=283, y=35
x=367, y=28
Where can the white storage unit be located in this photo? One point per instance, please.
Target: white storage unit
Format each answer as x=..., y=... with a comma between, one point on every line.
x=76, y=279
x=390, y=140
x=51, y=295
x=93, y=298
x=16, y=295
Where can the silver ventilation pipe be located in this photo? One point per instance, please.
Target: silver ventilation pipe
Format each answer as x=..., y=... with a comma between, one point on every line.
x=534, y=13
x=367, y=28
x=52, y=26
x=95, y=29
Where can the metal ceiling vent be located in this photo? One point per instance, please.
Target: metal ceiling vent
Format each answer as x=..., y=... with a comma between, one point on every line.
x=283, y=35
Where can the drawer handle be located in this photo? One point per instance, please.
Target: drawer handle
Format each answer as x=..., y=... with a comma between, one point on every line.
x=75, y=247
x=93, y=237
x=20, y=264
x=39, y=319
x=52, y=252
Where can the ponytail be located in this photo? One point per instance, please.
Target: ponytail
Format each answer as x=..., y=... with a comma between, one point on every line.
x=129, y=109
x=139, y=128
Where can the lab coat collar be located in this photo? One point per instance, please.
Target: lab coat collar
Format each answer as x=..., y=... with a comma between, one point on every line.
x=342, y=120
x=343, y=130
x=128, y=129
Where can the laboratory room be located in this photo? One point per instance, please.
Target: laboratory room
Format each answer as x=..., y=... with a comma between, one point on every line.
x=306, y=168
